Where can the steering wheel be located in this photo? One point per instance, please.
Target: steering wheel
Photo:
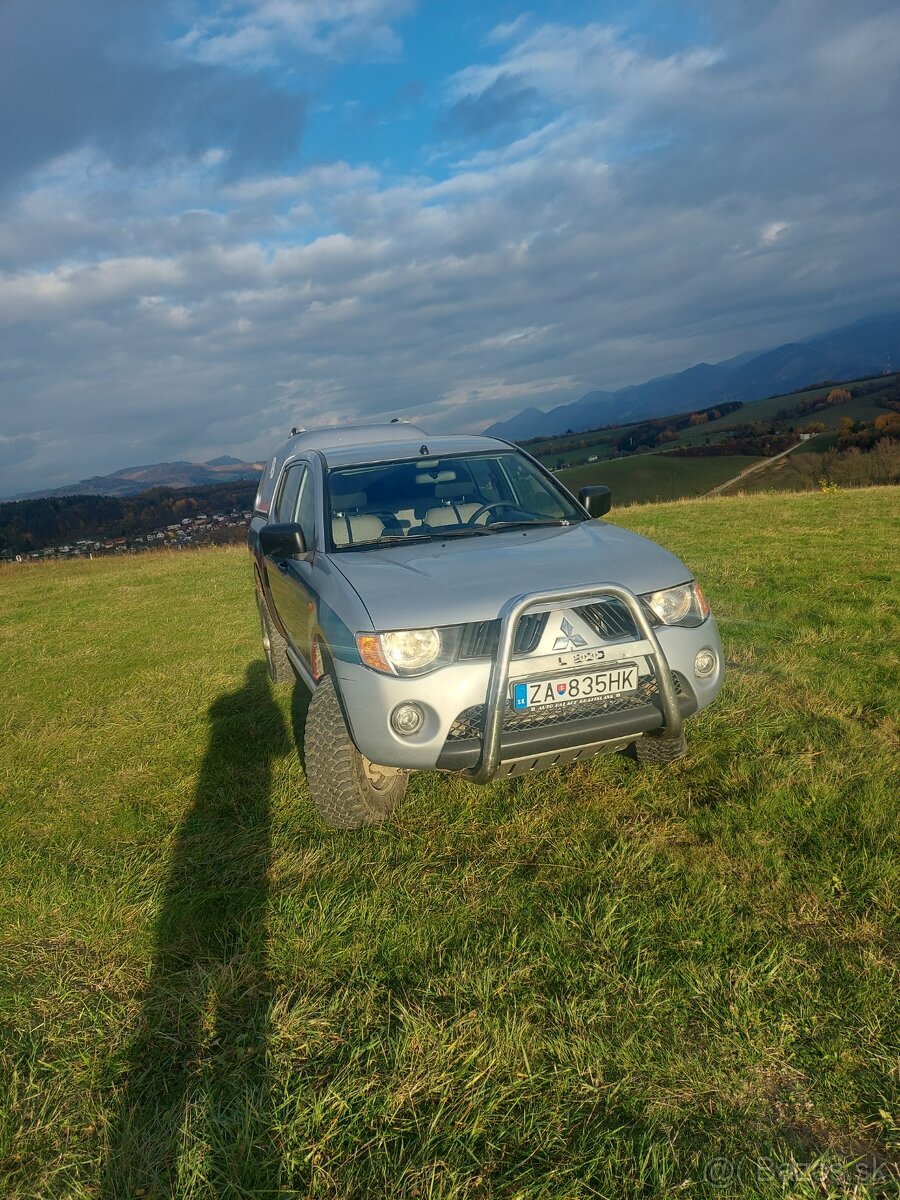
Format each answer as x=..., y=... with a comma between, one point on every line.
x=487, y=508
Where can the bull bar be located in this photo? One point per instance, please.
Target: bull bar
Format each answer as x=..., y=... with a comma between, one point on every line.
x=535, y=602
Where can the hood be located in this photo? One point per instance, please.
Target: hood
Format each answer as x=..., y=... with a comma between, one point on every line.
x=469, y=579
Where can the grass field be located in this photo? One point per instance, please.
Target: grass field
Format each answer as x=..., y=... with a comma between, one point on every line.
x=649, y=477
x=605, y=982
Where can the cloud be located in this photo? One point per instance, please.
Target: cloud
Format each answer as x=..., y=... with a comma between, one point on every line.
x=507, y=30
x=505, y=102
x=16, y=450
x=516, y=337
x=260, y=32
x=98, y=74
x=772, y=232
x=659, y=206
x=589, y=64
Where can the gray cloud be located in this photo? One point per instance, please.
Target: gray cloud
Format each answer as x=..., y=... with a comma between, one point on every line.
x=17, y=450
x=756, y=203
x=504, y=104
x=97, y=74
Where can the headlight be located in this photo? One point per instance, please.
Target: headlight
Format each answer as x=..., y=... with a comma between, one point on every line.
x=684, y=605
x=411, y=649
x=406, y=651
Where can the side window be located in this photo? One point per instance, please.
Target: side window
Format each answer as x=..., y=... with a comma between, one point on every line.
x=306, y=509
x=296, y=501
x=285, y=505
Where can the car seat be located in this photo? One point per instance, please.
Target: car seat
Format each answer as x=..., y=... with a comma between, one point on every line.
x=349, y=525
x=455, y=510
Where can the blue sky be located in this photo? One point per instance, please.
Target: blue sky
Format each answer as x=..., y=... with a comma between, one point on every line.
x=218, y=220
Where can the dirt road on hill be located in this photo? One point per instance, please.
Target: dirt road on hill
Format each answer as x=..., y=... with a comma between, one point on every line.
x=758, y=466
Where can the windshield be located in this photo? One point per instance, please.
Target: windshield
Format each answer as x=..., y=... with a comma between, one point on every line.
x=425, y=499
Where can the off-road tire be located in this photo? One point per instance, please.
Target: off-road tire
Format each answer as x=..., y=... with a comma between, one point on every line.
x=347, y=790
x=654, y=749
x=274, y=645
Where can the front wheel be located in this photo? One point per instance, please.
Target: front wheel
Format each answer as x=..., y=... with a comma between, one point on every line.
x=654, y=749
x=347, y=790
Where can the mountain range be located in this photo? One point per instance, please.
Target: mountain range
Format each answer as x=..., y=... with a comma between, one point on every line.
x=132, y=480
x=868, y=347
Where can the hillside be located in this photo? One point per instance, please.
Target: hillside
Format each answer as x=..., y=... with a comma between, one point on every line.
x=864, y=348
x=791, y=412
x=649, y=477
x=130, y=481
x=594, y=982
x=30, y=525
x=854, y=436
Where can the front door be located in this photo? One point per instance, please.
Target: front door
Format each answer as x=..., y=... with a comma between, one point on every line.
x=290, y=579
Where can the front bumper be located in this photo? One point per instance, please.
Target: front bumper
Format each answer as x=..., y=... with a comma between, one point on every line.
x=496, y=741
x=527, y=747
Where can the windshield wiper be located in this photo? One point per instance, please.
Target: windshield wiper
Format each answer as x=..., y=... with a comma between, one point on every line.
x=503, y=526
x=389, y=539
x=469, y=531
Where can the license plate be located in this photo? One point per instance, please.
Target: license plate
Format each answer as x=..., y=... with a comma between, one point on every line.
x=593, y=685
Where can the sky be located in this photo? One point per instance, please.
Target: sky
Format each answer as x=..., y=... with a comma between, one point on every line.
x=219, y=220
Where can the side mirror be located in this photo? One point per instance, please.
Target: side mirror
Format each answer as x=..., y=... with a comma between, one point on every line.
x=282, y=541
x=597, y=499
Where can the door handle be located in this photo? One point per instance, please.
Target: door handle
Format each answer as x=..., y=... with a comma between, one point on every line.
x=283, y=566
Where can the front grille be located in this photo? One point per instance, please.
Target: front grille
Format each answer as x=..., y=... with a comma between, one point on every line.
x=480, y=639
x=610, y=619
x=470, y=722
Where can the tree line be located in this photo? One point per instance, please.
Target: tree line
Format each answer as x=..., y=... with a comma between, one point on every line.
x=27, y=525
x=629, y=439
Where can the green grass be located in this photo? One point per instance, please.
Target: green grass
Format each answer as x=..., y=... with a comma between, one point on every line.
x=648, y=477
x=591, y=983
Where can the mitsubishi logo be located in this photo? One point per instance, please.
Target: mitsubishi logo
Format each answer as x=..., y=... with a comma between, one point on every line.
x=570, y=640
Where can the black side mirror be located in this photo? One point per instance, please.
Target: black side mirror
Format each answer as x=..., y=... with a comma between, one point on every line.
x=597, y=499
x=282, y=541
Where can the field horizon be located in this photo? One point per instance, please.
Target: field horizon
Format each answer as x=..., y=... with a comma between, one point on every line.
x=594, y=983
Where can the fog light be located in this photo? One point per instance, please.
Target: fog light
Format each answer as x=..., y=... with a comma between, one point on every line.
x=705, y=663
x=407, y=719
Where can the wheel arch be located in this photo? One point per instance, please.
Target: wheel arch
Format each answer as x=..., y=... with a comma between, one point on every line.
x=318, y=637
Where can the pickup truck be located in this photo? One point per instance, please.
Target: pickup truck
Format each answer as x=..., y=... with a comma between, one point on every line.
x=451, y=606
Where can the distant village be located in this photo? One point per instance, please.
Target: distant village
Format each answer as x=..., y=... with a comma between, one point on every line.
x=193, y=531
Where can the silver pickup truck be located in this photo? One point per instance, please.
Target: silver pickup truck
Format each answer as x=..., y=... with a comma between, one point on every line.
x=451, y=606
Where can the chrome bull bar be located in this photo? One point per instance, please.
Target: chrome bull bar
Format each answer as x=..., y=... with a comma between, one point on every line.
x=498, y=682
